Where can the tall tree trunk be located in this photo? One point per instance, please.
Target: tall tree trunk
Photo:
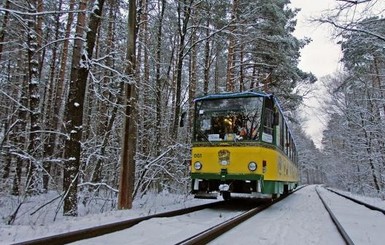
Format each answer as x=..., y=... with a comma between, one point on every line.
x=39, y=36
x=254, y=79
x=207, y=57
x=182, y=37
x=20, y=131
x=34, y=100
x=74, y=117
x=192, y=80
x=230, y=80
x=61, y=89
x=144, y=112
x=241, y=70
x=127, y=170
x=50, y=120
x=146, y=77
x=5, y=159
x=369, y=148
x=379, y=66
x=216, y=71
x=106, y=122
x=75, y=104
x=159, y=84
x=3, y=27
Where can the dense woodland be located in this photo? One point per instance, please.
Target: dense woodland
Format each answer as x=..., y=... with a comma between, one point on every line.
x=354, y=140
x=353, y=145
x=89, y=87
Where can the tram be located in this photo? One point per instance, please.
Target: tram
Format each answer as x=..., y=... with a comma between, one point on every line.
x=241, y=144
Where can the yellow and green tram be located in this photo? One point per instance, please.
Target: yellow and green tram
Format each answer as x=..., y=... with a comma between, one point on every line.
x=241, y=144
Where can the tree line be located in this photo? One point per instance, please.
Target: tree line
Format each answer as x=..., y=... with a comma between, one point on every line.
x=354, y=142
x=79, y=76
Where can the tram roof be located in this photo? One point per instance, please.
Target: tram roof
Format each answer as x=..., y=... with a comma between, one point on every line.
x=233, y=95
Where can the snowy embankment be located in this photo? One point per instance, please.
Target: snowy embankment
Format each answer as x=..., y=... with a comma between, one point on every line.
x=298, y=219
x=31, y=223
x=302, y=219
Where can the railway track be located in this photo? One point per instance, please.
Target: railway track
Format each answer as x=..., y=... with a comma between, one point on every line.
x=201, y=237
x=181, y=229
x=358, y=222
x=199, y=234
x=217, y=230
x=212, y=233
x=358, y=201
x=340, y=228
x=352, y=229
x=87, y=233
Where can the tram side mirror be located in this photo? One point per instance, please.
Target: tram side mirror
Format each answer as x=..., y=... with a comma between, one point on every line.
x=182, y=117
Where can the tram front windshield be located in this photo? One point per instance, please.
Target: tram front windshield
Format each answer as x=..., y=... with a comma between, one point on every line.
x=230, y=119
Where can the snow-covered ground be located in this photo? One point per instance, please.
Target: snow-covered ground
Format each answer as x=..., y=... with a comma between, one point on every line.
x=302, y=219
x=363, y=225
x=298, y=219
x=32, y=224
x=165, y=230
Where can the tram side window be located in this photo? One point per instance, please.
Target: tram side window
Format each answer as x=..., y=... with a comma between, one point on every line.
x=292, y=151
x=268, y=121
x=290, y=147
x=286, y=140
x=282, y=131
x=294, y=154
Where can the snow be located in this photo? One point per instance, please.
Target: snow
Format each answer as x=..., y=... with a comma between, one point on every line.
x=298, y=219
x=358, y=218
x=32, y=224
x=96, y=7
x=165, y=230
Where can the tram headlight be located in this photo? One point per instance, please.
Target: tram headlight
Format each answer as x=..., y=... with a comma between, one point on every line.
x=224, y=162
x=197, y=165
x=252, y=166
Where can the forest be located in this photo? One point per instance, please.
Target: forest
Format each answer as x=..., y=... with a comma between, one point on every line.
x=92, y=93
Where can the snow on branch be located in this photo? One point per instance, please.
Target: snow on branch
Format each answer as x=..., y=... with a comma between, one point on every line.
x=354, y=2
x=99, y=184
x=16, y=12
x=346, y=28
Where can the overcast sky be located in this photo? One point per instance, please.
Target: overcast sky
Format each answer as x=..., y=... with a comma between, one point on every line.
x=320, y=57
x=322, y=54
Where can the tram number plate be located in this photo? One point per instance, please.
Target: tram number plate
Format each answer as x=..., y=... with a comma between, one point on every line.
x=197, y=155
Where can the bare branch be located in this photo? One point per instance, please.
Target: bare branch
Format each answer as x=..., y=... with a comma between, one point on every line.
x=346, y=28
x=354, y=2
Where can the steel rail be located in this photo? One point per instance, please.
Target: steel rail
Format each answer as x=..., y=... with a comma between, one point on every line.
x=358, y=201
x=91, y=232
x=340, y=229
x=215, y=231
